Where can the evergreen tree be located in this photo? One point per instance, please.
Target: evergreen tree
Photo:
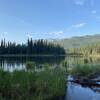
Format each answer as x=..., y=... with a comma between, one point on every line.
x=36, y=47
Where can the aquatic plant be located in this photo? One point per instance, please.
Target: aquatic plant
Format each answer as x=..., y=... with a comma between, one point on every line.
x=82, y=70
x=65, y=64
x=51, y=85
x=46, y=66
x=30, y=65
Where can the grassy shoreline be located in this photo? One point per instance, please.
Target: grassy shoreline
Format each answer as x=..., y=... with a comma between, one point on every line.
x=31, y=85
x=13, y=55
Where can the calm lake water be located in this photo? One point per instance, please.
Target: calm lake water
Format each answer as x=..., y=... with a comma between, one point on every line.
x=73, y=91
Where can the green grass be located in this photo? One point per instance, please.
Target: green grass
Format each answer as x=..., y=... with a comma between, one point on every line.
x=31, y=85
x=84, y=70
x=30, y=65
x=50, y=85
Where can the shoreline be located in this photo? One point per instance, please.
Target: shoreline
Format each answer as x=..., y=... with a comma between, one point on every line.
x=13, y=55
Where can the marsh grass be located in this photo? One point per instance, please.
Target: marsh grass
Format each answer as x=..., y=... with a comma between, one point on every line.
x=51, y=85
x=26, y=85
x=30, y=65
x=64, y=66
x=16, y=85
x=84, y=70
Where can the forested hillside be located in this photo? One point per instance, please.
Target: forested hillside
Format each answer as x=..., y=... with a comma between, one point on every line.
x=36, y=47
x=77, y=42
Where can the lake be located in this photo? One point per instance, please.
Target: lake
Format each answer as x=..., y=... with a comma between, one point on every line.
x=73, y=91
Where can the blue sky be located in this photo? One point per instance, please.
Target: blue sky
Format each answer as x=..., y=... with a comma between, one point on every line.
x=20, y=19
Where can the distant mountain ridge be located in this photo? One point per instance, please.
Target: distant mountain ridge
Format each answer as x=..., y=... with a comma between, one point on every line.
x=78, y=41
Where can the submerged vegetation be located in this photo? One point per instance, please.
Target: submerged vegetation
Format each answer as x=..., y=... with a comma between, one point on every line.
x=31, y=85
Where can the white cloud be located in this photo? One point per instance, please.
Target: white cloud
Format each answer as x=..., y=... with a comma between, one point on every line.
x=76, y=26
x=82, y=2
x=54, y=33
x=79, y=2
x=79, y=25
x=57, y=33
x=93, y=11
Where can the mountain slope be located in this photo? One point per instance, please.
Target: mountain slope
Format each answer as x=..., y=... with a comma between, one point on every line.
x=76, y=42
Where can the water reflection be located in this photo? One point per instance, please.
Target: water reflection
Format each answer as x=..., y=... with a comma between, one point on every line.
x=82, y=60
x=74, y=91
x=77, y=92
x=19, y=63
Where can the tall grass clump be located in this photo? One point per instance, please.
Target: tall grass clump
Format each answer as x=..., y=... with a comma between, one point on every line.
x=46, y=66
x=18, y=85
x=30, y=65
x=83, y=70
x=26, y=85
x=50, y=85
x=64, y=66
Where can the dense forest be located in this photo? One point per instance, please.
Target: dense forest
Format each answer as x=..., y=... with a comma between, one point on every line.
x=91, y=49
x=36, y=47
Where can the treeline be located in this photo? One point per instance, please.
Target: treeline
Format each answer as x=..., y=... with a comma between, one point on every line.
x=36, y=47
x=91, y=49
